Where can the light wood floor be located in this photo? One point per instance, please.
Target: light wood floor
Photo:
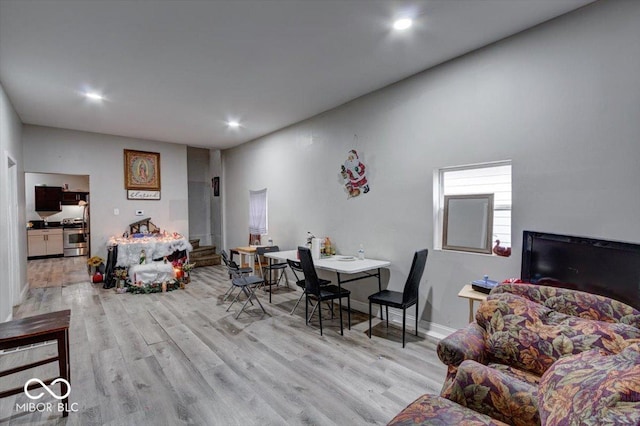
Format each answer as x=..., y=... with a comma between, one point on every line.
x=178, y=358
x=57, y=272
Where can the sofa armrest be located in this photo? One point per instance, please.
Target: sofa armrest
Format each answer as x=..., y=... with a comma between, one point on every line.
x=466, y=343
x=435, y=410
x=492, y=392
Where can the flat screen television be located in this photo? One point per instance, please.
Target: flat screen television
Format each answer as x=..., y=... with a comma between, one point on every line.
x=608, y=268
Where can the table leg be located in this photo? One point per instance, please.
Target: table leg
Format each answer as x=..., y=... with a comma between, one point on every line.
x=63, y=364
x=249, y=259
x=368, y=275
x=380, y=289
x=270, y=279
x=470, y=310
x=339, y=289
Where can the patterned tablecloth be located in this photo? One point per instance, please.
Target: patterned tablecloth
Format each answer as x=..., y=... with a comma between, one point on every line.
x=155, y=246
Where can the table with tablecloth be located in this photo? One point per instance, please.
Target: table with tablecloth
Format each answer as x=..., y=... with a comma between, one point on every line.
x=126, y=252
x=155, y=246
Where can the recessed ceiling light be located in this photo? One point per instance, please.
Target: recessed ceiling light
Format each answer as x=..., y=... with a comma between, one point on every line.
x=94, y=96
x=402, y=24
x=233, y=124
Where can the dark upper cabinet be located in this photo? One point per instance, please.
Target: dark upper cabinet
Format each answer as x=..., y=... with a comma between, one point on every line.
x=72, y=198
x=48, y=198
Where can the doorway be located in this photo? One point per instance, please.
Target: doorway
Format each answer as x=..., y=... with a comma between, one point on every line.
x=13, y=269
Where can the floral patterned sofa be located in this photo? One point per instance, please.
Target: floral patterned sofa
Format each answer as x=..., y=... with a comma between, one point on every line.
x=592, y=388
x=527, y=356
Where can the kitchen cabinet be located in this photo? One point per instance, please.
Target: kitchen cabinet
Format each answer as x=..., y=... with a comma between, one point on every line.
x=72, y=198
x=45, y=242
x=48, y=198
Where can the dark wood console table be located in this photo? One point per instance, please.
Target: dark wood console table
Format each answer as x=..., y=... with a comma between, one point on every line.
x=38, y=329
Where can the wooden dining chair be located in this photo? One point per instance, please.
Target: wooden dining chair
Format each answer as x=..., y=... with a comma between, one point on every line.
x=405, y=299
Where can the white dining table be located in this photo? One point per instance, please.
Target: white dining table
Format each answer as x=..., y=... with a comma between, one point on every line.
x=366, y=268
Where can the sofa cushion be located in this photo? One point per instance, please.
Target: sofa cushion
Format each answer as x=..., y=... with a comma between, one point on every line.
x=523, y=376
x=576, y=303
x=435, y=410
x=495, y=393
x=592, y=388
x=531, y=337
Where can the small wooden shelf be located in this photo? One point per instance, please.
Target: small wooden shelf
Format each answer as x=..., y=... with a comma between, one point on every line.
x=468, y=292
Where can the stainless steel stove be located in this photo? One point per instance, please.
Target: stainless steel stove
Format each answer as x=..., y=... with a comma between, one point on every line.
x=76, y=237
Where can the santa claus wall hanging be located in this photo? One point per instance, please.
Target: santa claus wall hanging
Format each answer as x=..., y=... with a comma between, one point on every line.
x=353, y=173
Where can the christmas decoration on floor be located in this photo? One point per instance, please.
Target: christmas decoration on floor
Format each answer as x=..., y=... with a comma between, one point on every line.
x=128, y=281
x=95, y=267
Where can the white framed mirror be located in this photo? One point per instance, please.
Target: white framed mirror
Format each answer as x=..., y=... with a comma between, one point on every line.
x=468, y=223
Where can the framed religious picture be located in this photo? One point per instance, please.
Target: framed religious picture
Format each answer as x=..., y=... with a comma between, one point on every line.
x=141, y=170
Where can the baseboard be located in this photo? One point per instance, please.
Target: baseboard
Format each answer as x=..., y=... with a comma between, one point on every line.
x=426, y=328
x=433, y=329
x=23, y=293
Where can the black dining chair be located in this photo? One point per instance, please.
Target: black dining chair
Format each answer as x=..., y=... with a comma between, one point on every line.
x=267, y=269
x=405, y=299
x=230, y=264
x=319, y=293
x=296, y=268
x=247, y=285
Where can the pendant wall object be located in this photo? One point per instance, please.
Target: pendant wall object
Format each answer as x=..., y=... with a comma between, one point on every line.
x=353, y=173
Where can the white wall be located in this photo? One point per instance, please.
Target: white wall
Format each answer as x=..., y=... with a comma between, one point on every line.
x=562, y=101
x=12, y=286
x=51, y=150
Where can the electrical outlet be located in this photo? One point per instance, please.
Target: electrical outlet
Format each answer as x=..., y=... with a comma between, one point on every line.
x=116, y=212
x=139, y=212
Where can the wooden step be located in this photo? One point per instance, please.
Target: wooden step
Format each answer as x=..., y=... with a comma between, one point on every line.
x=202, y=251
x=214, y=259
x=204, y=256
x=195, y=243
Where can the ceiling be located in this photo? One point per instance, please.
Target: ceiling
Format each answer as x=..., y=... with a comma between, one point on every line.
x=177, y=71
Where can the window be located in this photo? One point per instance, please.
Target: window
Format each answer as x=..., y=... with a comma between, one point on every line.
x=258, y=212
x=489, y=178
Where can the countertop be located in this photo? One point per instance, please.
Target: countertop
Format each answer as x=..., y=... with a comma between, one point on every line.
x=42, y=225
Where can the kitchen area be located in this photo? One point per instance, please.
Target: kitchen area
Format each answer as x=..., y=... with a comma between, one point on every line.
x=57, y=210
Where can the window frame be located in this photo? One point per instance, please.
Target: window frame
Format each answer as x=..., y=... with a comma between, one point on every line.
x=438, y=199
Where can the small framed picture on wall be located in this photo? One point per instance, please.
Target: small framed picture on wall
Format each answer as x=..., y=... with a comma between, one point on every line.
x=215, y=182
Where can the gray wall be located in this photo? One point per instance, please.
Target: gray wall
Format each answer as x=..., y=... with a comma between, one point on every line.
x=562, y=101
x=51, y=150
x=199, y=195
x=215, y=165
x=13, y=253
